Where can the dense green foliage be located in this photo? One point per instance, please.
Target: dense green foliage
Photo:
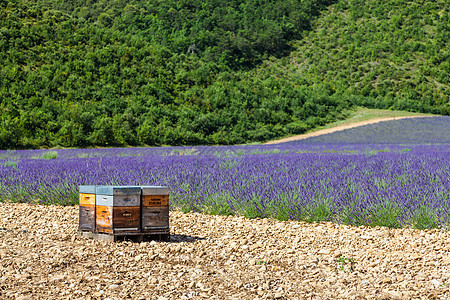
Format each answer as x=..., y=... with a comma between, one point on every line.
x=392, y=53
x=105, y=73
x=237, y=32
x=102, y=73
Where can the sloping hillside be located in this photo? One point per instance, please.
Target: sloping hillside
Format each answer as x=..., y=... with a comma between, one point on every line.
x=119, y=73
x=149, y=72
x=390, y=54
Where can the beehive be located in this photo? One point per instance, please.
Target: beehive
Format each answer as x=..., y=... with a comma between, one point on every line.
x=155, y=209
x=87, y=208
x=118, y=209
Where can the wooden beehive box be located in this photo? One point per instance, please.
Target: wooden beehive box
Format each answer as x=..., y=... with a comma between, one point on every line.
x=155, y=209
x=118, y=209
x=87, y=208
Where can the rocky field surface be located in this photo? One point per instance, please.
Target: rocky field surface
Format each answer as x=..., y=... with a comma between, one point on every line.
x=218, y=257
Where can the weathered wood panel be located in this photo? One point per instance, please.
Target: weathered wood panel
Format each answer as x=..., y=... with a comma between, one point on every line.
x=87, y=218
x=154, y=218
x=127, y=219
x=118, y=190
x=155, y=200
x=155, y=190
x=118, y=219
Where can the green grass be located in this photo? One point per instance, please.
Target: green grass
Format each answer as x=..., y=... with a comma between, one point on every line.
x=10, y=163
x=360, y=114
x=47, y=155
x=424, y=218
x=385, y=214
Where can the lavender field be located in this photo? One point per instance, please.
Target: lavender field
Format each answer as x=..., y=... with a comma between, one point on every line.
x=394, y=174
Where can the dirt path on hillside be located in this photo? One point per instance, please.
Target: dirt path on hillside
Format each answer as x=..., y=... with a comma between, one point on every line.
x=218, y=257
x=339, y=128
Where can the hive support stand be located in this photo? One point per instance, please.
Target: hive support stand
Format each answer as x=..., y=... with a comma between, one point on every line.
x=134, y=237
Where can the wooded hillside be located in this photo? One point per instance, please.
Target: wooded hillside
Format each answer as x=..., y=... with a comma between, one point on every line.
x=393, y=54
x=116, y=73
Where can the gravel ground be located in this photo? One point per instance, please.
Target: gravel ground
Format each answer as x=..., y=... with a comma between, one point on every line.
x=218, y=257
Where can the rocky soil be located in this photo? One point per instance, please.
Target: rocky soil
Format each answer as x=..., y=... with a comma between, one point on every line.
x=218, y=257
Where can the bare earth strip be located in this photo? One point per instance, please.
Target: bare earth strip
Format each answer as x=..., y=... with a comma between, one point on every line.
x=339, y=128
x=218, y=257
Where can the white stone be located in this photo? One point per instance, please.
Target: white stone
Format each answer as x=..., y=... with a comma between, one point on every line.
x=436, y=283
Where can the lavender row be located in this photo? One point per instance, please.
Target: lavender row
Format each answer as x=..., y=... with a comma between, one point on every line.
x=426, y=130
x=219, y=151
x=426, y=134
x=378, y=185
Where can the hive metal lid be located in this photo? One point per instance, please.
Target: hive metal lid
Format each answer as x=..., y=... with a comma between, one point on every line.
x=118, y=190
x=155, y=190
x=87, y=189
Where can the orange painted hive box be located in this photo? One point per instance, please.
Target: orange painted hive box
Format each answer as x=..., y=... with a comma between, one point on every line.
x=118, y=209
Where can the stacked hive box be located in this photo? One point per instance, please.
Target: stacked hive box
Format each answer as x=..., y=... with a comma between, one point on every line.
x=124, y=212
x=118, y=209
x=155, y=209
x=87, y=208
